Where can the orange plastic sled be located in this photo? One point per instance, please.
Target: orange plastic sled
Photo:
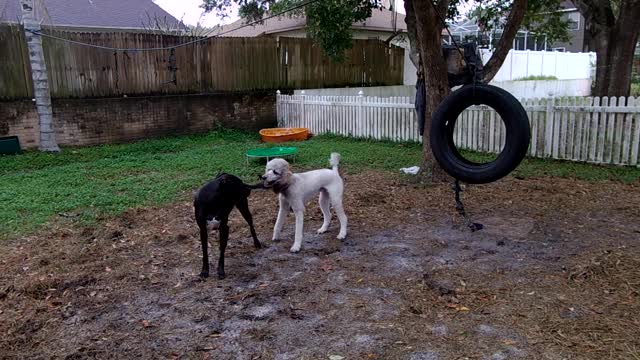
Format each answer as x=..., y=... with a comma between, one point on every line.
x=276, y=135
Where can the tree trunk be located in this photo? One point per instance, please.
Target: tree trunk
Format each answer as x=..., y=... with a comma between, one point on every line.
x=518, y=9
x=614, y=40
x=601, y=42
x=624, y=38
x=428, y=27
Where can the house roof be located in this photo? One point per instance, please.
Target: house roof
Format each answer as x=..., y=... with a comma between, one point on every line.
x=380, y=20
x=91, y=13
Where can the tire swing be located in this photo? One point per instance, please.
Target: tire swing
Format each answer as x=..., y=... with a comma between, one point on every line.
x=517, y=137
x=443, y=122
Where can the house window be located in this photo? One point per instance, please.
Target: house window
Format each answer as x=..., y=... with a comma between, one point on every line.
x=519, y=43
x=574, y=21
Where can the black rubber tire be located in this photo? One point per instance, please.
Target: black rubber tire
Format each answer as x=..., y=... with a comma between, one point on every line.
x=518, y=133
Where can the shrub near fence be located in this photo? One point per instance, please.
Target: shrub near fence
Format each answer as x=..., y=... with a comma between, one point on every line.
x=597, y=130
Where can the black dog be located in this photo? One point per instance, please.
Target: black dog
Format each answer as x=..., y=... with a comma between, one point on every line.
x=213, y=204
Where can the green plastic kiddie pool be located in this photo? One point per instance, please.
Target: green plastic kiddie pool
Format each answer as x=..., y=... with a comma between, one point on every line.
x=272, y=152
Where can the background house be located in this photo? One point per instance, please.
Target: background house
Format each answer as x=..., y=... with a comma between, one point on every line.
x=525, y=40
x=96, y=15
x=382, y=25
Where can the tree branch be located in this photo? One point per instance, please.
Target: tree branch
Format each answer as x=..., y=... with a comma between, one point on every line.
x=518, y=9
x=414, y=45
x=443, y=6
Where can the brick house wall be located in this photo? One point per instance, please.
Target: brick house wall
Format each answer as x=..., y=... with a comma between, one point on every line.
x=81, y=122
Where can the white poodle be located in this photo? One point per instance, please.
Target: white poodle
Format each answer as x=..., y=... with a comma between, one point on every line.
x=295, y=190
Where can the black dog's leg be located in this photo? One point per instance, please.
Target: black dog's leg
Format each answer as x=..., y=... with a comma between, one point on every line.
x=205, y=255
x=224, y=237
x=243, y=207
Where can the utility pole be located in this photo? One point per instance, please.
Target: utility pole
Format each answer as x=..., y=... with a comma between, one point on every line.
x=41, y=93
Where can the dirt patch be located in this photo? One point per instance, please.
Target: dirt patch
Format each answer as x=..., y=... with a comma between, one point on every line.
x=555, y=274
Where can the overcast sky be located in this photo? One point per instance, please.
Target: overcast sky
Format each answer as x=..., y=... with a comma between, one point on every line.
x=190, y=12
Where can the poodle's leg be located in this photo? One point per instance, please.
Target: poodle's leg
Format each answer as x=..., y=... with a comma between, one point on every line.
x=336, y=201
x=297, y=243
x=325, y=206
x=282, y=214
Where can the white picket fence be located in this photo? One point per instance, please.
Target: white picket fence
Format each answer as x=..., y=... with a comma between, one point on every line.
x=591, y=129
x=562, y=65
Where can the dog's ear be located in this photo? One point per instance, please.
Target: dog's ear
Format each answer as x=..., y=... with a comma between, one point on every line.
x=287, y=174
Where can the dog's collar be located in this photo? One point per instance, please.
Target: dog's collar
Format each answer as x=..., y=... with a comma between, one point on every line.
x=280, y=188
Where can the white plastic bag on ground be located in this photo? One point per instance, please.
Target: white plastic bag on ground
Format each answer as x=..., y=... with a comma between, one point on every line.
x=411, y=170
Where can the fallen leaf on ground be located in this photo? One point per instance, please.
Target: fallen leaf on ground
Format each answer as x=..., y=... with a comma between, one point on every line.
x=326, y=267
x=207, y=348
x=458, y=307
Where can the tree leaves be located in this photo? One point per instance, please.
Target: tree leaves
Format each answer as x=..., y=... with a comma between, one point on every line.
x=328, y=21
x=542, y=18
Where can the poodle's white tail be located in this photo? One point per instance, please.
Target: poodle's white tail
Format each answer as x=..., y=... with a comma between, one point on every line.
x=334, y=161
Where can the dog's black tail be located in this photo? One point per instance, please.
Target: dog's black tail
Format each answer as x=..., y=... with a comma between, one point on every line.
x=255, y=186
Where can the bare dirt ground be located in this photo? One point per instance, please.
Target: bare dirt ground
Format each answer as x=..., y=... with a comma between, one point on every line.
x=554, y=275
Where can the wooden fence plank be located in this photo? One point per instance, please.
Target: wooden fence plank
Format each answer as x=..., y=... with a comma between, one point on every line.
x=571, y=129
x=611, y=120
x=626, y=133
x=635, y=141
x=586, y=129
x=215, y=64
x=593, y=129
x=602, y=129
x=533, y=118
x=564, y=122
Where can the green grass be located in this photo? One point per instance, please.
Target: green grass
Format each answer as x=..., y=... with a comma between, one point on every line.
x=537, y=77
x=531, y=168
x=105, y=180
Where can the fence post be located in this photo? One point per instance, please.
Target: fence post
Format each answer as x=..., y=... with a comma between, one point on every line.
x=513, y=56
x=41, y=93
x=548, y=128
x=302, y=115
x=359, y=114
x=278, y=109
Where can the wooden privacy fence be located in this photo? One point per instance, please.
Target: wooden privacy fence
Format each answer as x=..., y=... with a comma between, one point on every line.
x=216, y=64
x=596, y=130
